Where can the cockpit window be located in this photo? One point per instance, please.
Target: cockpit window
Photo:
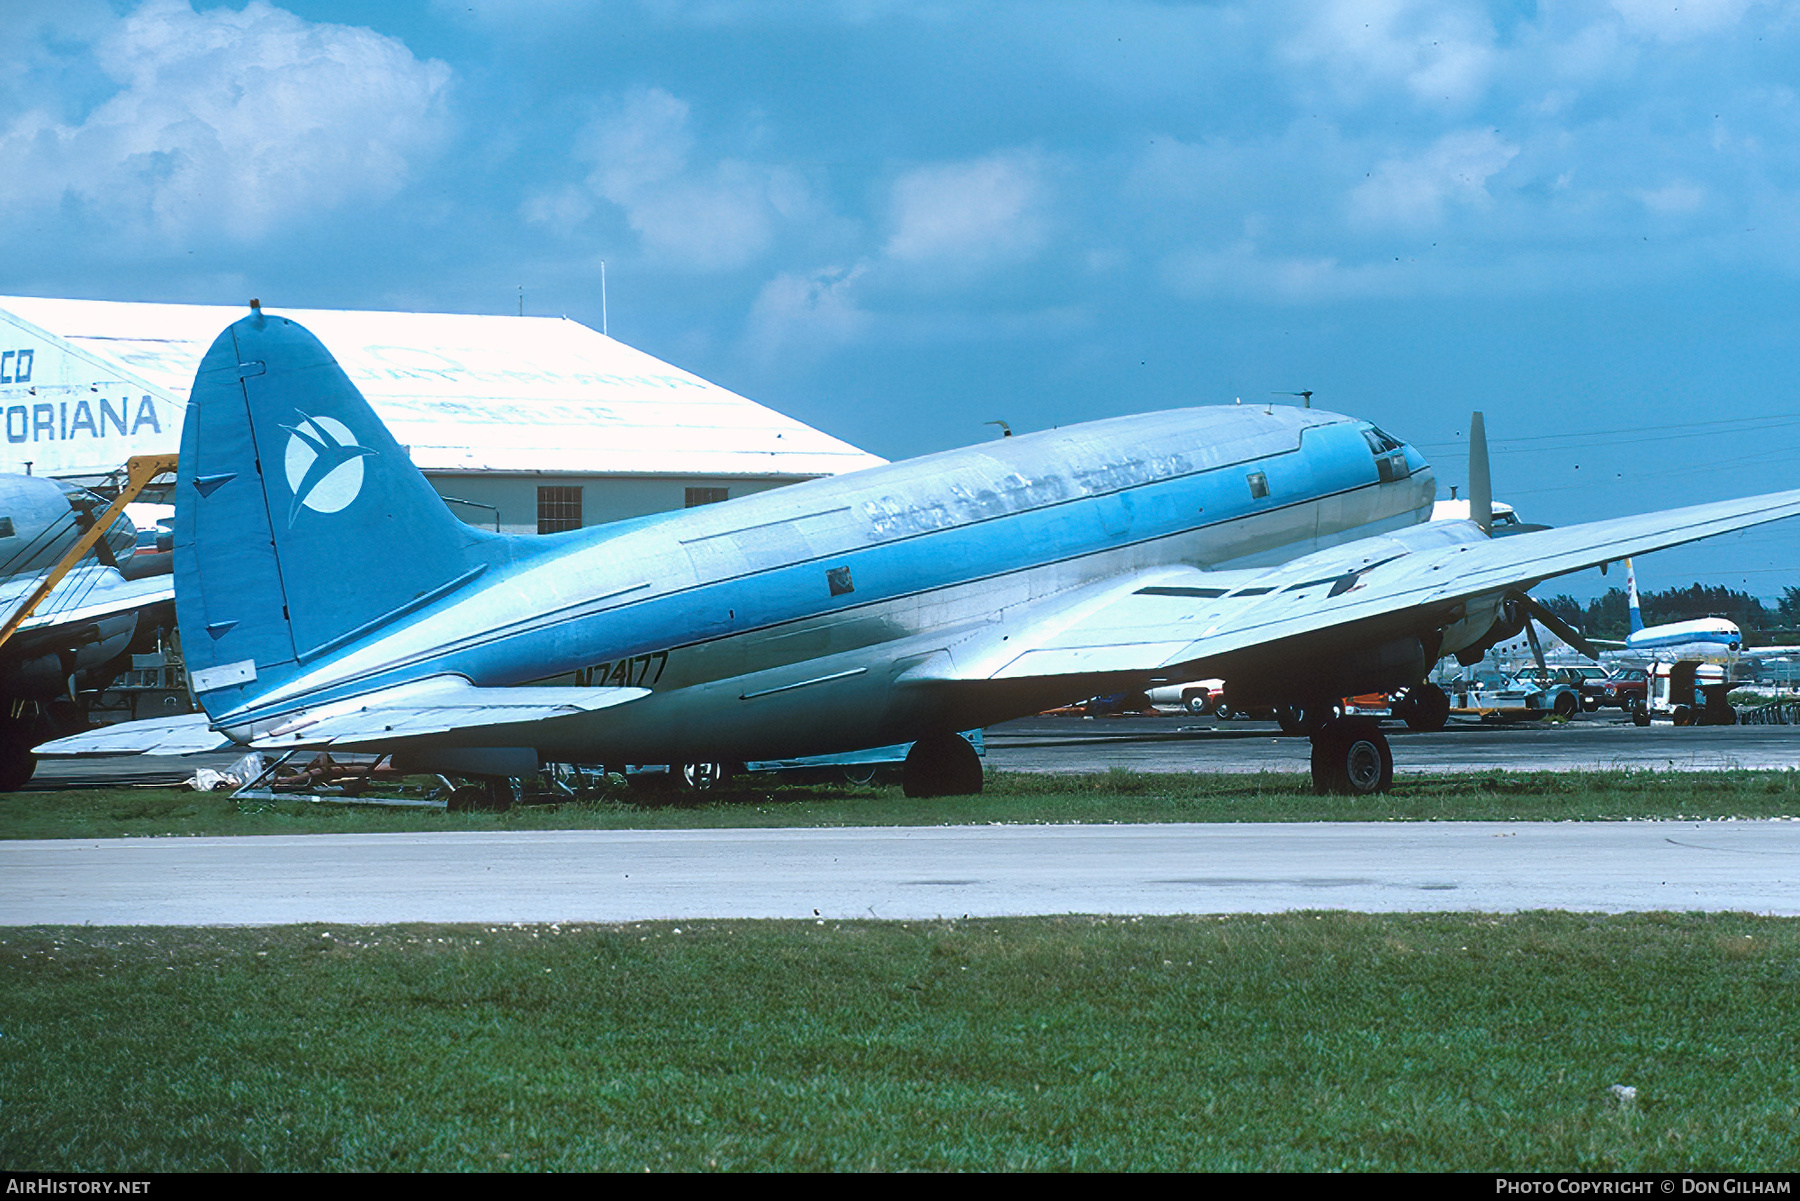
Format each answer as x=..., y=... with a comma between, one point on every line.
x=1381, y=443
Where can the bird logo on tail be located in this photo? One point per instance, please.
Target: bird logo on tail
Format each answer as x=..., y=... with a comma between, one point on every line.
x=324, y=465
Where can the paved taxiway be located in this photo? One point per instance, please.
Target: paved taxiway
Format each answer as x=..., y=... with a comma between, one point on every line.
x=906, y=873
x=1181, y=743
x=919, y=873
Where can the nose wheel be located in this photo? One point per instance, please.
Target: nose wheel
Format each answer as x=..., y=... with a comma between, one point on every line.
x=1351, y=757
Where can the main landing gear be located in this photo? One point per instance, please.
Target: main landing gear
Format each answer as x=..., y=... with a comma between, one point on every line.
x=1351, y=757
x=941, y=765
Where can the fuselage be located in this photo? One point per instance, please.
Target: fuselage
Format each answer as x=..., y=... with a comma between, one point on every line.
x=783, y=623
x=1705, y=639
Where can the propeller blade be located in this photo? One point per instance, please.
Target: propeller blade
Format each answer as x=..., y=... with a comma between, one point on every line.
x=1481, y=486
x=1556, y=625
x=1537, y=648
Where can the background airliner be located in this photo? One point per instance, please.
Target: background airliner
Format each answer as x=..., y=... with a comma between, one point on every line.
x=1286, y=551
x=1701, y=639
x=80, y=635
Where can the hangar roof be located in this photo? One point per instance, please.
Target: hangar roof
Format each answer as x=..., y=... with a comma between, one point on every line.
x=484, y=393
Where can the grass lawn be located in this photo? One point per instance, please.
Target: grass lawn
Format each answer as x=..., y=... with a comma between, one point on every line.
x=1302, y=1041
x=1117, y=796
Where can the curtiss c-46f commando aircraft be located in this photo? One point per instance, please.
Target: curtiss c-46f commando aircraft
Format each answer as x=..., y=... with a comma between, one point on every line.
x=328, y=598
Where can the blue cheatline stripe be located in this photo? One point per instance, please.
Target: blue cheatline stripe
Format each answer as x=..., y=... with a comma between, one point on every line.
x=907, y=566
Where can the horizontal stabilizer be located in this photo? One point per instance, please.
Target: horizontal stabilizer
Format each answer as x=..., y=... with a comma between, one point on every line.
x=188, y=734
x=384, y=720
x=390, y=718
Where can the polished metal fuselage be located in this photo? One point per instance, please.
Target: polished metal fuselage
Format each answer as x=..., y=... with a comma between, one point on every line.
x=821, y=617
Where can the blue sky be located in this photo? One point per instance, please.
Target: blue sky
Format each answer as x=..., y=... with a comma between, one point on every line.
x=897, y=221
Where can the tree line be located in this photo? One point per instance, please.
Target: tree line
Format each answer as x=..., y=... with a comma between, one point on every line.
x=1608, y=617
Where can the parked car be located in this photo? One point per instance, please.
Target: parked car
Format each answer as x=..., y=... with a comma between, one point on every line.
x=1196, y=696
x=1588, y=682
x=1625, y=690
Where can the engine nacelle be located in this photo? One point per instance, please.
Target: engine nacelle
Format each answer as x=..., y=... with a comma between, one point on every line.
x=1471, y=637
x=1399, y=663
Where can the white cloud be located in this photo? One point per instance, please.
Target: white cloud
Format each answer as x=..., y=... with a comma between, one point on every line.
x=645, y=144
x=1439, y=50
x=560, y=209
x=708, y=218
x=806, y=312
x=1242, y=270
x=967, y=214
x=229, y=122
x=1414, y=191
x=1679, y=20
x=1674, y=199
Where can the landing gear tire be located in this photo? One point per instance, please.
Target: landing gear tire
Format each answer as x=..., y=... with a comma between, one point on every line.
x=1427, y=709
x=941, y=765
x=466, y=798
x=1351, y=757
x=702, y=777
x=17, y=763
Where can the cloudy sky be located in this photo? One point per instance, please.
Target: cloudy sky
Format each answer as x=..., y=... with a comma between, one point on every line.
x=899, y=220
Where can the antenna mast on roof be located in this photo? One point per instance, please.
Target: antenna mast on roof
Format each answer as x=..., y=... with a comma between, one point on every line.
x=521, y=300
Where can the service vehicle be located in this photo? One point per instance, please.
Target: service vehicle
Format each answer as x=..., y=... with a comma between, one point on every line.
x=1687, y=693
x=1490, y=693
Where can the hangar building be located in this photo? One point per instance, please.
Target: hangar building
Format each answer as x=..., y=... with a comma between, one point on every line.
x=527, y=424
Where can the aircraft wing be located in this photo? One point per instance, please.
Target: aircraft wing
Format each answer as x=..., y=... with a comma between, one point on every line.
x=1164, y=621
x=377, y=720
x=88, y=593
x=188, y=734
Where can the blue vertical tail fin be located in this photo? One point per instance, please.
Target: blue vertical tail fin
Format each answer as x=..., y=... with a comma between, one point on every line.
x=300, y=523
x=1631, y=598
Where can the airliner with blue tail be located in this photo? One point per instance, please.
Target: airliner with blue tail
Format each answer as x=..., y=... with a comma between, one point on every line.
x=1701, y=639
x=328, y=599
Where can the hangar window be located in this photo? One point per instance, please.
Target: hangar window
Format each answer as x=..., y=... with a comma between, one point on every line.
x=707, y=496
x=1259, y=485
x=559, y=509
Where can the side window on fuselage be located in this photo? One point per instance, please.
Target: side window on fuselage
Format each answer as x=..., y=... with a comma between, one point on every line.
x=1259, y=485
